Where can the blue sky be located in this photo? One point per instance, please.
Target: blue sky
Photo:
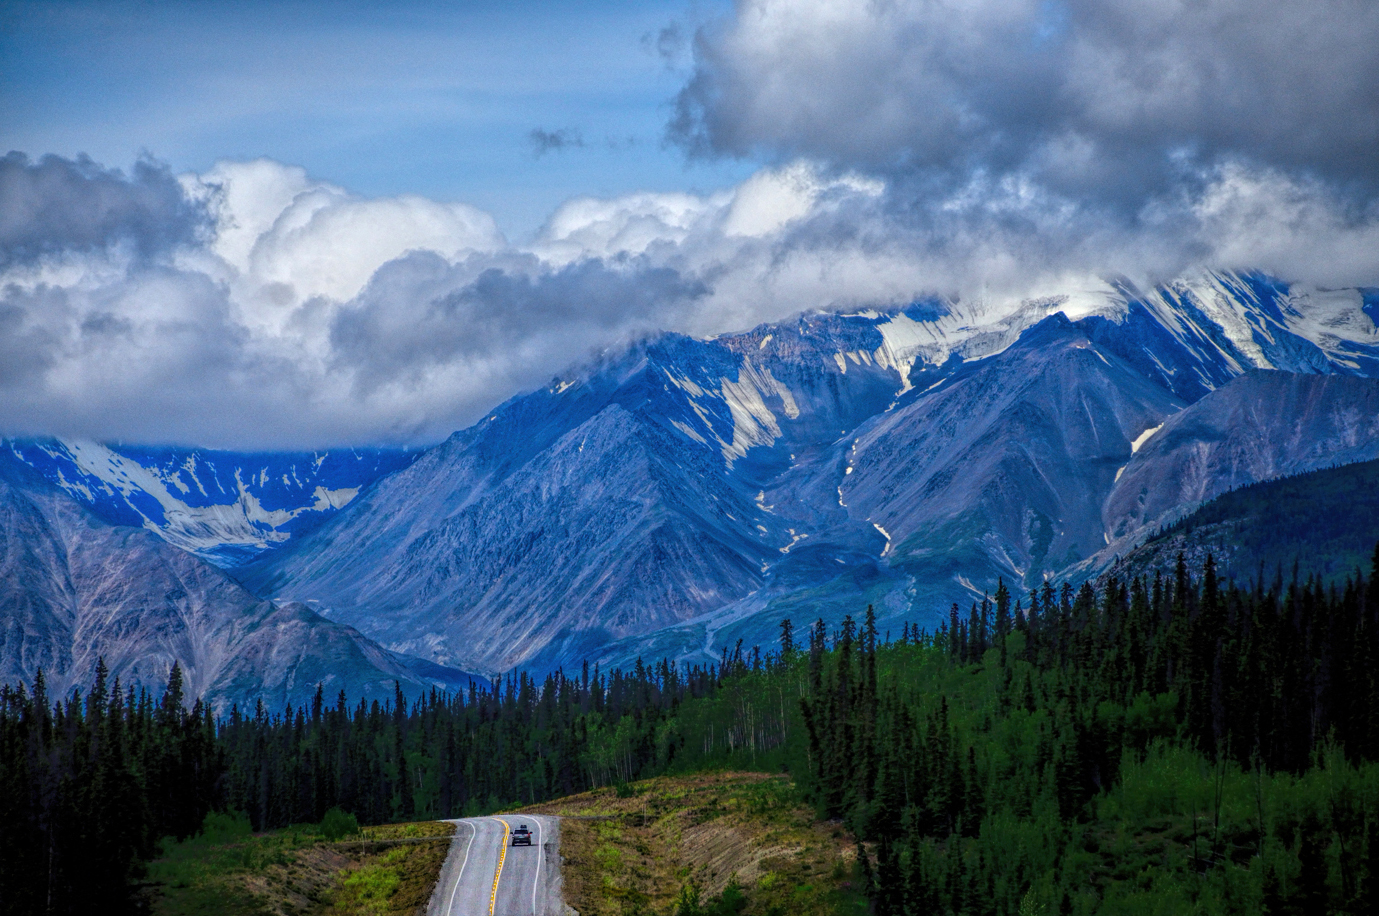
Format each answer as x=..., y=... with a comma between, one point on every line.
x=382, y=98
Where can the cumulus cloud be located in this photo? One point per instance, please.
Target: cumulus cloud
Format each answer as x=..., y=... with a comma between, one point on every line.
x=278, y=228
x=200, y=309
x=297, y=314
x=1296, y=226
x=990, y=151
x=999, y=147
x=594, y=227
x=504, y=329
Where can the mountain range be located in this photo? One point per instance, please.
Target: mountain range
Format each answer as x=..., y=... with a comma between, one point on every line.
x=75, y=588
x=681, y=494
x=225, y=507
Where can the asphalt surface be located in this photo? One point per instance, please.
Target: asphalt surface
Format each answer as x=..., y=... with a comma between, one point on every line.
x=485, y=875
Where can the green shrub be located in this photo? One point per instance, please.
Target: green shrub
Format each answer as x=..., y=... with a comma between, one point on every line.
x=369, y=889
x=730, y=903
x=337, y=824
x=221, y=827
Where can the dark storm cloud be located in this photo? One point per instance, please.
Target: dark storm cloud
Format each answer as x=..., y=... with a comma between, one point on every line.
x=58, y=204
x=1099, y=101
x=547, y=141
x=521, y=313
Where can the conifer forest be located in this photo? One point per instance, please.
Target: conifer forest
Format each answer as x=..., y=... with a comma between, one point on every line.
x=1171, y=743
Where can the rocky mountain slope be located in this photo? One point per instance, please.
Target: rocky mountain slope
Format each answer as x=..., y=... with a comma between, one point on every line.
x=1009, y=457
x=688, y=493
x=1258, y=427
x=74, y=589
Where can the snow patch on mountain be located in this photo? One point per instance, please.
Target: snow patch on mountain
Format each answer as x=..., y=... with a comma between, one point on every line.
x=221, y=506
x=904, y=337
x=1143, y=437
x=1253, y=322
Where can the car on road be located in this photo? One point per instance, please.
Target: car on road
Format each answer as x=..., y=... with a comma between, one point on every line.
x=521, y=836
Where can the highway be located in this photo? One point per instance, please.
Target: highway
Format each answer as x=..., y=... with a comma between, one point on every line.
x=485, y=875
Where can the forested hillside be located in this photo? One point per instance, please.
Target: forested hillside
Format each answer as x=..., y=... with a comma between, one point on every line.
x=1331, y=518
x=1153, y=745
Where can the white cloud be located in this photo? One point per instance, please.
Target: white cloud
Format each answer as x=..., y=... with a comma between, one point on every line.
x=774, y=198
x=992, y=151
x=307, y=316
x=1260, y=217
x=275, y=226
x=590, y=227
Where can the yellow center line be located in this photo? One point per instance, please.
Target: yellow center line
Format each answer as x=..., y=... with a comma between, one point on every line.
x=502, y=854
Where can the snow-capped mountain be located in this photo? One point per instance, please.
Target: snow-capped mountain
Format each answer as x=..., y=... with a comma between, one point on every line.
x=225, y=507
x=687, y=493
x=1193, y=335
x=682, y=494
x=74, y=588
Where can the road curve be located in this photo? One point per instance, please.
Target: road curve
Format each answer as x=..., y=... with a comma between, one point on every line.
x=485, y=875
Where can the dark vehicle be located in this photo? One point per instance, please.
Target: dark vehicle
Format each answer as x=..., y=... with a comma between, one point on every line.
x=521, y=836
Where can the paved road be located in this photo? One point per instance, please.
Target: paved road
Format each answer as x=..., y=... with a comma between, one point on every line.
x=485, y=875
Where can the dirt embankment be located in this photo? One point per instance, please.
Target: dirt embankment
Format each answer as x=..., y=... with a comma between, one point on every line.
x=636, y=850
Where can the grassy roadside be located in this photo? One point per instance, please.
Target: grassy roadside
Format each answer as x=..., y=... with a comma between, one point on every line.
x=298, y=872
x=744, y=840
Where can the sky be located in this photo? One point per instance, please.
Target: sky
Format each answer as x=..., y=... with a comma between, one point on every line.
x=300, y=225
x=440, y=100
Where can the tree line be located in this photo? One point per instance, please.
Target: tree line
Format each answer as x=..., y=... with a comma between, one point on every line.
x=1111, y=749
x=1169, y=738
x=89, y=785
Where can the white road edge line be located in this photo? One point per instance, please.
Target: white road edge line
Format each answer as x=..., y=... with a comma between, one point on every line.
x=540, y=854
x=459, y=879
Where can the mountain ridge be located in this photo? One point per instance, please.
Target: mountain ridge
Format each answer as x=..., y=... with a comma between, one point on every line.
x=76, y=589
x=225, y=507
x=1322, y=522
x=800, y=433
x=679, y=494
